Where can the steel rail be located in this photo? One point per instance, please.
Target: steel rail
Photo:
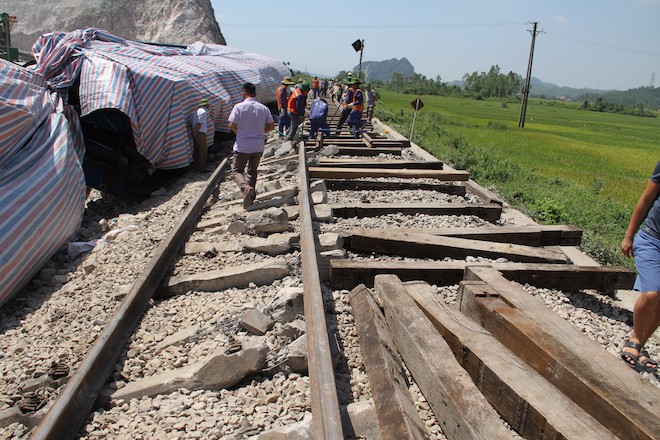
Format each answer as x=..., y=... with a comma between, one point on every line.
x=69, y=411
x=326, y=418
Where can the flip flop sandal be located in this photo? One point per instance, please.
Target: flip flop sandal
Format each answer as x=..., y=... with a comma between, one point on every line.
x=630, y=359
x=648, y=365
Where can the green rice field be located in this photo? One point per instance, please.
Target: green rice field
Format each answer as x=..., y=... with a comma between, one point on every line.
x=566, y=166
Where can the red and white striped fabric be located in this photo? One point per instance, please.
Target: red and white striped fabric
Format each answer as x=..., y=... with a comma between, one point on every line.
x=157, y=87
x=42, y=187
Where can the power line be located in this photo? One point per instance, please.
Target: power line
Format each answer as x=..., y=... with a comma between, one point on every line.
x=373, y=26
x=606, y=46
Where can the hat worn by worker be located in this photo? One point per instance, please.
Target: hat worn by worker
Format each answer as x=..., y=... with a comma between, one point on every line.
x=203, y=102
x=287, y=81
x=304, y=86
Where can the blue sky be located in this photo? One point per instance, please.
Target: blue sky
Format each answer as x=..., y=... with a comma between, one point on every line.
x=602, y=44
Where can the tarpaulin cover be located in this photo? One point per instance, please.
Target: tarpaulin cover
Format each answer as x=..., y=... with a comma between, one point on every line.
x=42, y=187
x=157, y=87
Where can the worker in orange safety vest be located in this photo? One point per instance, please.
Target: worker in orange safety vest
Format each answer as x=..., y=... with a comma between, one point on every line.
x=296, y=107
x=352, y=106
x=282, y=98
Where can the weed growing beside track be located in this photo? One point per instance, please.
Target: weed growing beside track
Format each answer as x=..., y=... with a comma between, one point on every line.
x=552, y=170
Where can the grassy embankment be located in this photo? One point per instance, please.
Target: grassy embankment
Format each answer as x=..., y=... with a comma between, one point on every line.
x=567, y=166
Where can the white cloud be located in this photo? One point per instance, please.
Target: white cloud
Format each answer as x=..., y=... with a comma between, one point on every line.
x=560, y=19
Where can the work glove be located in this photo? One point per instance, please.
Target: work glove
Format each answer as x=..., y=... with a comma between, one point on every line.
x=350, y=106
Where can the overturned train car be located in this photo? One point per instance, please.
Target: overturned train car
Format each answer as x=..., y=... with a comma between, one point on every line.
x=97, y=110
x=135, y=100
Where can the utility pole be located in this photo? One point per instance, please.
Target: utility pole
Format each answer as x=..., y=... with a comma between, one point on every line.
x=528, y=78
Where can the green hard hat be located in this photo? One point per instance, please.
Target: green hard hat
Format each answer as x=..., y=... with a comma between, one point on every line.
x=304, y=86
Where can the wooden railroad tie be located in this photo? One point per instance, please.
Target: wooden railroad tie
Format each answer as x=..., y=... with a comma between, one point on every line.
x=372, y=185
x=452, y=395
x=541, y=235
x=422, y=245
x=578, y=366
x=542, y=383
x=390, y=164
x=524, y=399
x=346, y=274
x=395, y=408
x=359, y=173
x=357, y=149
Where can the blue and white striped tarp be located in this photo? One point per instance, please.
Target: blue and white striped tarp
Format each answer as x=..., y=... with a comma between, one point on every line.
x=157, y=87
x=42, y=187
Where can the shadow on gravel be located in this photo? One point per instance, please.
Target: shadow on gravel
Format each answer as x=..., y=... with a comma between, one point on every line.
x=598, y=304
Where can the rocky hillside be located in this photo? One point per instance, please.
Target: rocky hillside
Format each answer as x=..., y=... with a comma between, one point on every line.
x=383, y=70
x=162, y=21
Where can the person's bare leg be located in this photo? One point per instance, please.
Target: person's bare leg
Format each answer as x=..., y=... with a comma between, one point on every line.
x=646, y=318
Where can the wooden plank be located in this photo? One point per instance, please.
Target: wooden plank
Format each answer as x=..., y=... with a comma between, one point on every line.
x=578, y=366
x=578, y=257
x=346, y=140
x=358, y=173
x=433, y=246
x=374, y=185
x=387, y=143
x=397, y=415
x=389, y=164
x=371, y=139
x=481, y=192
x=490, y=213
x=359, y=151
x=457, y=403
x=525, y=400
x=346, y=274
x=541, y=235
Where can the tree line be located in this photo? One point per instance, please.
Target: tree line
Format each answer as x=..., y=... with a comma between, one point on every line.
x=648, y=96
x=495, y=84
x=478, y=85
x=600, y=105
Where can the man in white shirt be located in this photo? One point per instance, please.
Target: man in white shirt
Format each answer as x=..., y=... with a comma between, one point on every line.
x=200, y=140
x=250, y=120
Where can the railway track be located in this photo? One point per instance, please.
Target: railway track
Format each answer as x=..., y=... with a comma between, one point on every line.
x=430, y=310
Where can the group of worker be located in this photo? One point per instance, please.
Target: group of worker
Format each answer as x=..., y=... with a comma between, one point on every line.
x=250, y=121
x=291, y=105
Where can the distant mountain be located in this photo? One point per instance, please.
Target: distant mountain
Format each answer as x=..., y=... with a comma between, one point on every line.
x=383, y=70
x=539, y=88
